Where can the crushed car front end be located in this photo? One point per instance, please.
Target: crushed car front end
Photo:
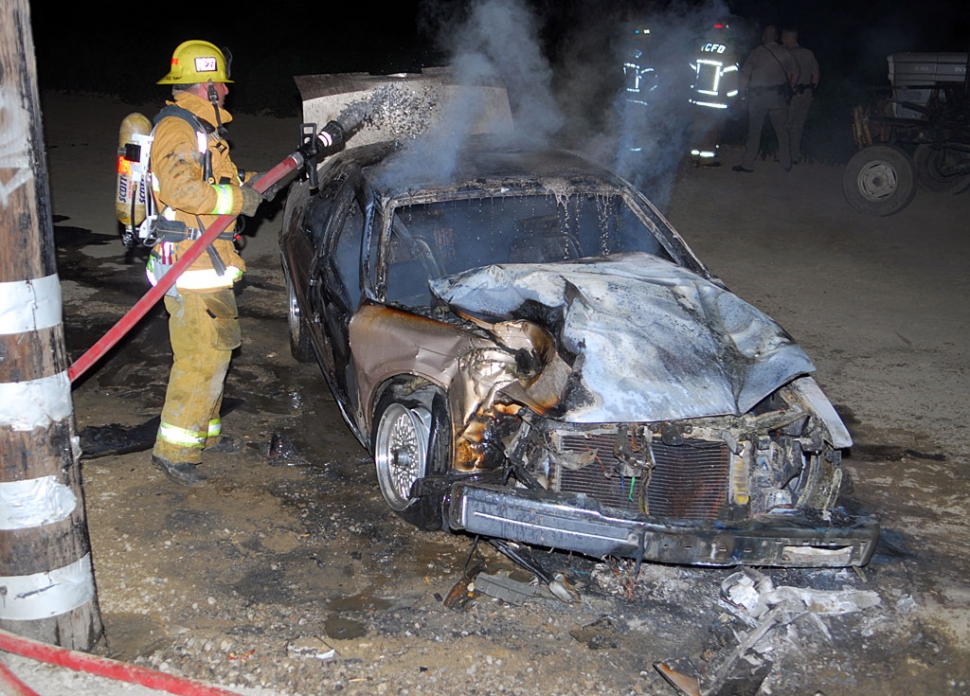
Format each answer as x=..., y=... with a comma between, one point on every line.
x=759, y=489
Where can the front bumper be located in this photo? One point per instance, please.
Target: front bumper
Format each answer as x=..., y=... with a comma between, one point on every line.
x=806, y=539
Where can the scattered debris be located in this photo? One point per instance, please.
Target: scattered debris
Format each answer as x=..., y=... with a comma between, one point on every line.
x=463, y=591
x=558, y=585
x=754, y=593
x=745, y=590
x=508, y=590
x=906, y=604
x=752, y=597
x=602, y=633
x=311, y=647
x=522, y=556
x=563, y=590
x=241, y=656
x=501, y=586
x=677, y=673
x=282, y=451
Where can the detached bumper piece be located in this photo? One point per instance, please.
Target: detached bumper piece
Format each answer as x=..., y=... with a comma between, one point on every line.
x=801, y=539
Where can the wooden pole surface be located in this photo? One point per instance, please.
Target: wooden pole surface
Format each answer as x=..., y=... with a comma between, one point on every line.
x=47, y=589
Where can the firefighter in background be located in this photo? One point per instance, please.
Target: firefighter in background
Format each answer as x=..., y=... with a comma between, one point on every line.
x=713, y=92
x=640, y=88
x=807, y=82
x=639, y=74
x=194, y=181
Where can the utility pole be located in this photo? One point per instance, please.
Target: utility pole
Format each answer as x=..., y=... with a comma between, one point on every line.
x=47, y=589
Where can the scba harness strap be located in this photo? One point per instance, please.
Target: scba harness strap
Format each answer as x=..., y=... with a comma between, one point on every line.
x=163, y=231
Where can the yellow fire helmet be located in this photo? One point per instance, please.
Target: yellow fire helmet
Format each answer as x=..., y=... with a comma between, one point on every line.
x=198, y=61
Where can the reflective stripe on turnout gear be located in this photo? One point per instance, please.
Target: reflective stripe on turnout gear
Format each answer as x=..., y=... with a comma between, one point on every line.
x=224, y=199
x=208, y=279
x=181, y=437
x=215, y=428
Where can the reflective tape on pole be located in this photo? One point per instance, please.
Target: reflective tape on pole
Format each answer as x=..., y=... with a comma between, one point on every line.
x=47, y=594
x=47, y=587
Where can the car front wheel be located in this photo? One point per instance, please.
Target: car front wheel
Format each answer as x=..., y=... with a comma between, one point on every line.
x=412, y=441
x=401, y=451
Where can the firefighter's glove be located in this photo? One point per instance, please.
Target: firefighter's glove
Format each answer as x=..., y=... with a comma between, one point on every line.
x=270, y=193
x=251, y=200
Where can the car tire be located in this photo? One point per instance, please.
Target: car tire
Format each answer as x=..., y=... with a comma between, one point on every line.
x=928, y=162
x=412, y=441
x=300, y=346
x=879, y=180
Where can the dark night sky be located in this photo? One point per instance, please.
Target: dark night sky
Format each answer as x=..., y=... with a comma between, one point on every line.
x=116, y=47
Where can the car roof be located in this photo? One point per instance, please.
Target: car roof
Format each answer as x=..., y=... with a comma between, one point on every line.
x=396, y=170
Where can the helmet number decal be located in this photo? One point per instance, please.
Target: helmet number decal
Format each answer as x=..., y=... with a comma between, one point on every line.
x=206, y=64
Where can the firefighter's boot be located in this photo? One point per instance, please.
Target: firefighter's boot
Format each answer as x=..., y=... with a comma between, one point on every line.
x=183, y=473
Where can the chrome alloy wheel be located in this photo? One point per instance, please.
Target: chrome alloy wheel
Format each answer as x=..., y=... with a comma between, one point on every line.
x=401, y=451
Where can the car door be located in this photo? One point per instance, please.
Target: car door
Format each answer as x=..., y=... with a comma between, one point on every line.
x=337, y=289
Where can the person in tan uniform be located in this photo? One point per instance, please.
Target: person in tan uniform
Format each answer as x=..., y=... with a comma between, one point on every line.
x=805, y=86
x=766, y=76
x=194, y=181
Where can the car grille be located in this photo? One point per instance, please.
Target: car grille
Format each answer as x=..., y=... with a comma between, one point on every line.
x=689, y=481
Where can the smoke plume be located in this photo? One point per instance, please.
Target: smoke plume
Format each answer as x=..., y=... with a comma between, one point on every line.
x=569, y=90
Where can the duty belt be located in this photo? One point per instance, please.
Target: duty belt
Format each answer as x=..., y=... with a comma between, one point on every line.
x=780, y=89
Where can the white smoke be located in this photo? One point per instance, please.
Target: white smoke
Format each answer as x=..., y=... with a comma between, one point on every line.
x=576, y=98
x=494, y=42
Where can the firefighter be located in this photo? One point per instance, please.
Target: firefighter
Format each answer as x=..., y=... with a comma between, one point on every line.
x=801, y=101
x=194, y=181
x=766, y=78
x=713, y=92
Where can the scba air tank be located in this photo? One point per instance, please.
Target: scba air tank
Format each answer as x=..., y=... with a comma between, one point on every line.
x=131, y=199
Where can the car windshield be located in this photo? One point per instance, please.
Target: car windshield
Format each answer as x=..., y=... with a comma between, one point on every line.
x=431, y=240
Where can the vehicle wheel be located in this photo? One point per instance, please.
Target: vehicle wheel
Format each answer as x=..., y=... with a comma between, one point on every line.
x=929, y=163
x=412, y=441
x=299, y=335
x=880, y=180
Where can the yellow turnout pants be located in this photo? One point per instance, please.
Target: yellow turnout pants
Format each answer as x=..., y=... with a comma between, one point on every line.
x=203, y=328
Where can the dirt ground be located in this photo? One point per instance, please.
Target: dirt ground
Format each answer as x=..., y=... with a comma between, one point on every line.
x=227, y=583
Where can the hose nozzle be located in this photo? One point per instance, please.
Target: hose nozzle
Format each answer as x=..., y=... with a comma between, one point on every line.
x=331, y=134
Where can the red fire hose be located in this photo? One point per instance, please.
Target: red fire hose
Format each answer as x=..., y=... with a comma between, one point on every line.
x=98, y=666
x=11, y=685
x=134, y=315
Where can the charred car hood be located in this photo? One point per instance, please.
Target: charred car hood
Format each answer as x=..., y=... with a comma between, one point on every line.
x=646, y=340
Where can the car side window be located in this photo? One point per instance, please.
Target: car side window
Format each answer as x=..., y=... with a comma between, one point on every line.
x=345, y=262
x=410, y=263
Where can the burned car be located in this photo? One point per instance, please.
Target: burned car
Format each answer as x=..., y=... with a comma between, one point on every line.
x=531, y=352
